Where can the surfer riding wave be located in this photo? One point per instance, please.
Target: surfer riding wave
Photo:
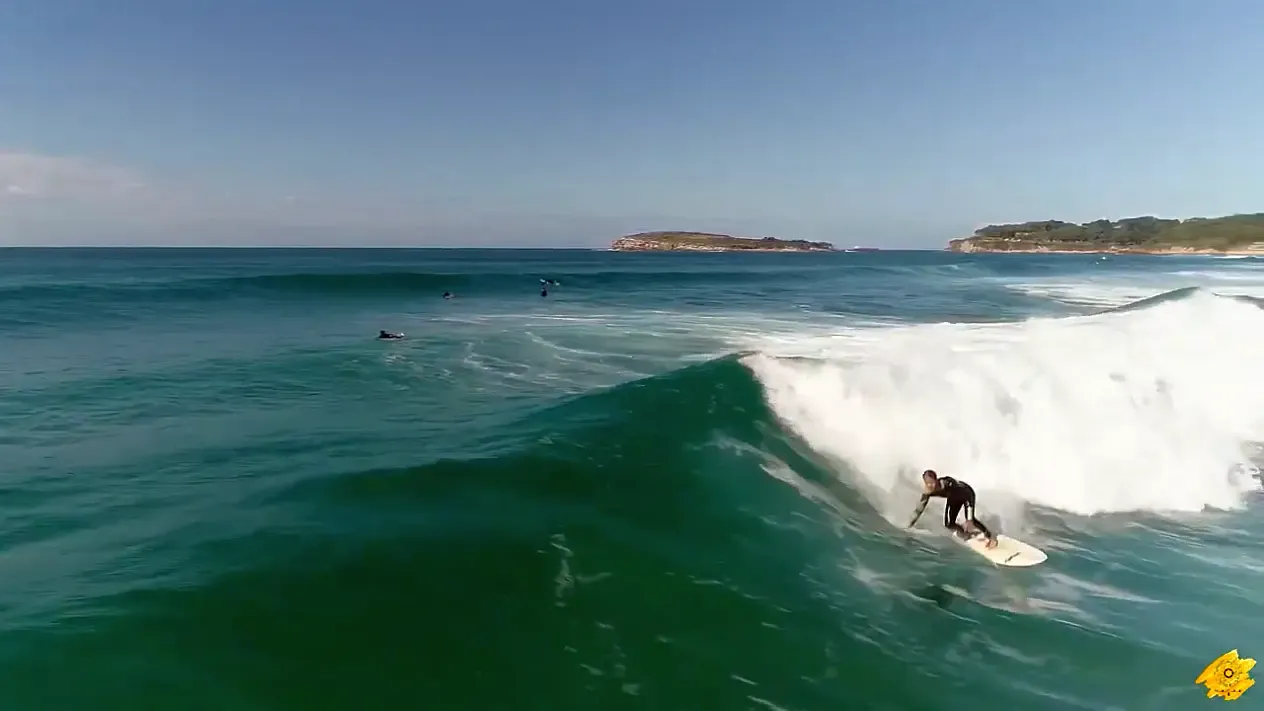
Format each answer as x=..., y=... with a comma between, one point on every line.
x=958, y=495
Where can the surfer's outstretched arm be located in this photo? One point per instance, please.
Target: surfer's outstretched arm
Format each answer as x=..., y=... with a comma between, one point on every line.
x=921, y=506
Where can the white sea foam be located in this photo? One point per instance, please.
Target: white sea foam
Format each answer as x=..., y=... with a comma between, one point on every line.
x=1087, y=293
x=583, y=350
x=1119, y=288
x=1151, y=409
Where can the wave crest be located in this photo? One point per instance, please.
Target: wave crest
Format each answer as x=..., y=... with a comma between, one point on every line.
x=1149, y=408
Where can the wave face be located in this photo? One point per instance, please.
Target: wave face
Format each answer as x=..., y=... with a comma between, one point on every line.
x=677, y=482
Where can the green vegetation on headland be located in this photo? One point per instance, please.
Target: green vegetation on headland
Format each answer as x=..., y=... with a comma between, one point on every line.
x=707, y=242
x=1235, y=234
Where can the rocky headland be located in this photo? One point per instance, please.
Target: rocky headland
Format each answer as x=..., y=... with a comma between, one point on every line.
x=1234, y=234
x=709, y=242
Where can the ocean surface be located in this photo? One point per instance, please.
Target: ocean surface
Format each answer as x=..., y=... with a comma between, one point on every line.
x=676, y=482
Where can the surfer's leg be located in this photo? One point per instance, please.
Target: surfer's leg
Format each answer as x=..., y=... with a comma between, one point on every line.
x=951, y=509
x=977, y=526
x=976, y=523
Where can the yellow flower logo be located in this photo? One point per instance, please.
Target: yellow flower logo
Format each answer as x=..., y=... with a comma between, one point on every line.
x=1228, y=676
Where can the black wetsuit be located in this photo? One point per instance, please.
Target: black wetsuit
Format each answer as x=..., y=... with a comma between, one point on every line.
x=958, y=495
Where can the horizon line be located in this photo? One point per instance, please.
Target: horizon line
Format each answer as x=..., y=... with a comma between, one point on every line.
x=401, y=247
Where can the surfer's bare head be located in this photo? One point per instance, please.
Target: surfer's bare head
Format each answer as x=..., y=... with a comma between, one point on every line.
x=930, y=479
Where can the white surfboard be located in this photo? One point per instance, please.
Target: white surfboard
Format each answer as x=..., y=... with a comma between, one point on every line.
x=1009, y=552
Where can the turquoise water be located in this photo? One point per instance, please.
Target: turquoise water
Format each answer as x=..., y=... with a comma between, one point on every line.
x=676, y=482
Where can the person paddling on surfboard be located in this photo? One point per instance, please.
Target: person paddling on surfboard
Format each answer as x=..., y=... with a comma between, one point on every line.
x=958, y=495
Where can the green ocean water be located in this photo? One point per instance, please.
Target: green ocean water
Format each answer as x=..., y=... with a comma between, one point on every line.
x=674, y=482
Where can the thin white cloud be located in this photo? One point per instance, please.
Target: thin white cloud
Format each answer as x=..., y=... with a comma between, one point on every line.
x=30, y=176
x=49, y=200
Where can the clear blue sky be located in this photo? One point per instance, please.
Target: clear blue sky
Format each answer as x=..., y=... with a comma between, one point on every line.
x=568, y=122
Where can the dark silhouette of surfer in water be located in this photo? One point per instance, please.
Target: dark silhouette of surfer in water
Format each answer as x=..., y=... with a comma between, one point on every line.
x=388, y=336
x=957, y=495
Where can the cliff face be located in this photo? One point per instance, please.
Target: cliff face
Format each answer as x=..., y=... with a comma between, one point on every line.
x=708, y=242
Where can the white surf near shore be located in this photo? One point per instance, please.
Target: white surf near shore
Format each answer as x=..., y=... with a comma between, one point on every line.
x=1115, y=288
x=1152, y=409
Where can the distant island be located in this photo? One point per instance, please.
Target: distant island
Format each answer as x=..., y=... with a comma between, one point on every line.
x=708, y=242
x=1234, y=234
